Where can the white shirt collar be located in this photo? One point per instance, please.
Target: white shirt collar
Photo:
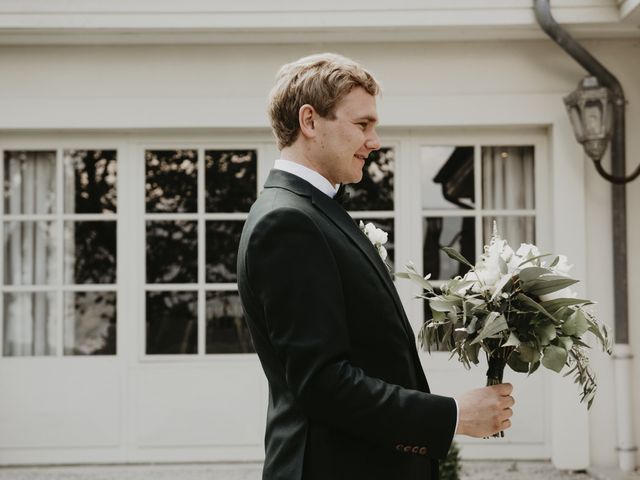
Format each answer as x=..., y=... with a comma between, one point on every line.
x=311, y=176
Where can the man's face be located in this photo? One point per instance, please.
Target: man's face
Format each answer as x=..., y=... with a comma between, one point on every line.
x=346, y=140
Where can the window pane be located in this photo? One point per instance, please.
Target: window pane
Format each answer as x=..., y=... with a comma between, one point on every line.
x=223, y=238
x=90, y=323
x=90, y=181
x=375, y=190
x=227, y=331
x=90, y=252
x=172, y=322
x=29, y=253
x=386, y=224
x=29, y=325
x=447, y=177
x=515, y=230
x=454, y=232
x=29, y=182
x=171, y=180
x=507, y=178
x=231, y=177
x=172, y=251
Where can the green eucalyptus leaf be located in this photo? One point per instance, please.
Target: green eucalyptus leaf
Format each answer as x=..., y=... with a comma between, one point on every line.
x=516, y=363
x=417, y=278
x=547, y=284
x=512, y=341
x=528, y=353
x=494, y=324
x=532, y=303
x=533, y=367
x=545, y=333
x=472, y=352
x=455, y=255
x=555, y=262
x=564, y=342
x=554, y=358
x=576, y=325
x=558, y=303
x=531, y=273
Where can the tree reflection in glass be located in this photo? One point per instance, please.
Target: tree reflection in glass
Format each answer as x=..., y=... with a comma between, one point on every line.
x=375, y=190
x=172, y=251
x=231, y=180
x=227, y=331
x=90, y=323
x=90, y=181
x=454, y=232
x=90, y=252
x=172, y=322
x=223, y=238
x=171, y=181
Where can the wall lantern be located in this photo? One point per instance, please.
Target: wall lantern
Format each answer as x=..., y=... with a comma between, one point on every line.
x=590, y=111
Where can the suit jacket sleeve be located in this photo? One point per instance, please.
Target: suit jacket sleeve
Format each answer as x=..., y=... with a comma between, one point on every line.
x=291, y=269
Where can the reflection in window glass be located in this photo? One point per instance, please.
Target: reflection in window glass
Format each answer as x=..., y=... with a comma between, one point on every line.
x=454, y=232
x=447, y=175
x=29, y=182
x=90, y=252
x=227, y=331
x=386, y=224
x=507, y=178
x=515, y=230
x=231, y=180
x=223, y=238
x=29, y=324
x=172, y=322
x=30, y=253
x=90, y=323
x=171, y=181
x=90, y=181
x=375, y=190
x=172, y=251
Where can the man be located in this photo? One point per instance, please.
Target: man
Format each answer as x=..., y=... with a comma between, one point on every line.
x=347, y=396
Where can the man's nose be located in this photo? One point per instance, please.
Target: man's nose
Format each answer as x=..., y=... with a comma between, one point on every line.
x=373, y=142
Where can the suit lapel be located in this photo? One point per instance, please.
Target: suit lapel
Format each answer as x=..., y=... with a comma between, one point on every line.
x=338, y=215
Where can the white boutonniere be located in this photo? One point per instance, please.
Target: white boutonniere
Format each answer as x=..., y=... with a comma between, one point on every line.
x=377, y=236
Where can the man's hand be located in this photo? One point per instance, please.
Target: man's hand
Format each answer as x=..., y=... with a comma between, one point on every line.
x=485, y=411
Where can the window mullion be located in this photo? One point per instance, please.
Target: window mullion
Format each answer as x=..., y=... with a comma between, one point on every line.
x=201, y=254
x=59, y=236
x=479, y=200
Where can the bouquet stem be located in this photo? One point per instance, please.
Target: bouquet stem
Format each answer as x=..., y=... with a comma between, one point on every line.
x=494, y=377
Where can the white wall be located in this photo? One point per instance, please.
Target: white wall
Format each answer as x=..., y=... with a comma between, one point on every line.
x=206, y=86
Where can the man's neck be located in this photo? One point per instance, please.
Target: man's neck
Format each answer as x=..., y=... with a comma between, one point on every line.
x=297, y=155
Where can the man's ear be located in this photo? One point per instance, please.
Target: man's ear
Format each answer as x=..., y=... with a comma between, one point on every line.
x=306, y=118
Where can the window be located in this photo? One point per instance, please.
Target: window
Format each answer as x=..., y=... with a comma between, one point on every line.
x=372, y=199
x=464, y=190
x=59, y=257
x=196, y=203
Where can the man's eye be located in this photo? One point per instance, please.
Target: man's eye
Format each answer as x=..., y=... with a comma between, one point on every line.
x=363, y=125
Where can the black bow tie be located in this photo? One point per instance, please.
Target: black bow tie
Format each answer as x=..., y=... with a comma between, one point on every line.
x=343, y=195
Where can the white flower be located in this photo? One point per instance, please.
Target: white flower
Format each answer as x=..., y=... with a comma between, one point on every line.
x=377, y=236
x=527, y=250
x=562, y=267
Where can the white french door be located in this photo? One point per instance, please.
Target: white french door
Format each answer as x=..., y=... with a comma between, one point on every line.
x=123, y=265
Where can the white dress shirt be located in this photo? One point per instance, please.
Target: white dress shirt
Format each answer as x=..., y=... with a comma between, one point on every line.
x=311, y=176
x=325, y=186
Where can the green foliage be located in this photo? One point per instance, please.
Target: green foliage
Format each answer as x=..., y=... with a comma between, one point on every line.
x=510, y=321
x=450, y=467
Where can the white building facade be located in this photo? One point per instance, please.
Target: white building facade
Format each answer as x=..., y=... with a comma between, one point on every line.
x=134, y=138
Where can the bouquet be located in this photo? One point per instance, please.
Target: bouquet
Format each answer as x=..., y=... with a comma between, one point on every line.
x=518, y=308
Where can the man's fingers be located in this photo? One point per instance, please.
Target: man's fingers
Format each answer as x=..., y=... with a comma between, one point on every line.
x=503, y=388
x=508, y=402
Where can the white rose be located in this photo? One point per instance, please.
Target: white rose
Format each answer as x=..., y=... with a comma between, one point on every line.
x=383, y=252
x=376, y=235
x=562, y=267
x=527, y=250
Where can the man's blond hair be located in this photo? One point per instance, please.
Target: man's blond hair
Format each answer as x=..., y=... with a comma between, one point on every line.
x=321, y=81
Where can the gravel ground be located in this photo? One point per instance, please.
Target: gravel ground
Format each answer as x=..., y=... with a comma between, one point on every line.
x=471, y=470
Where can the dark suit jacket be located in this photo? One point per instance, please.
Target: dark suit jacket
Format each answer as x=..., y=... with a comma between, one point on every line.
x=347, y=396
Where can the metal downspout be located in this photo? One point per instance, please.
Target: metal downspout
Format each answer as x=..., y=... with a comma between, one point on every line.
x=622, y=352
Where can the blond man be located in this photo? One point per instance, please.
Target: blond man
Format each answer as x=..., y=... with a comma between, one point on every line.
x=348, y=398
